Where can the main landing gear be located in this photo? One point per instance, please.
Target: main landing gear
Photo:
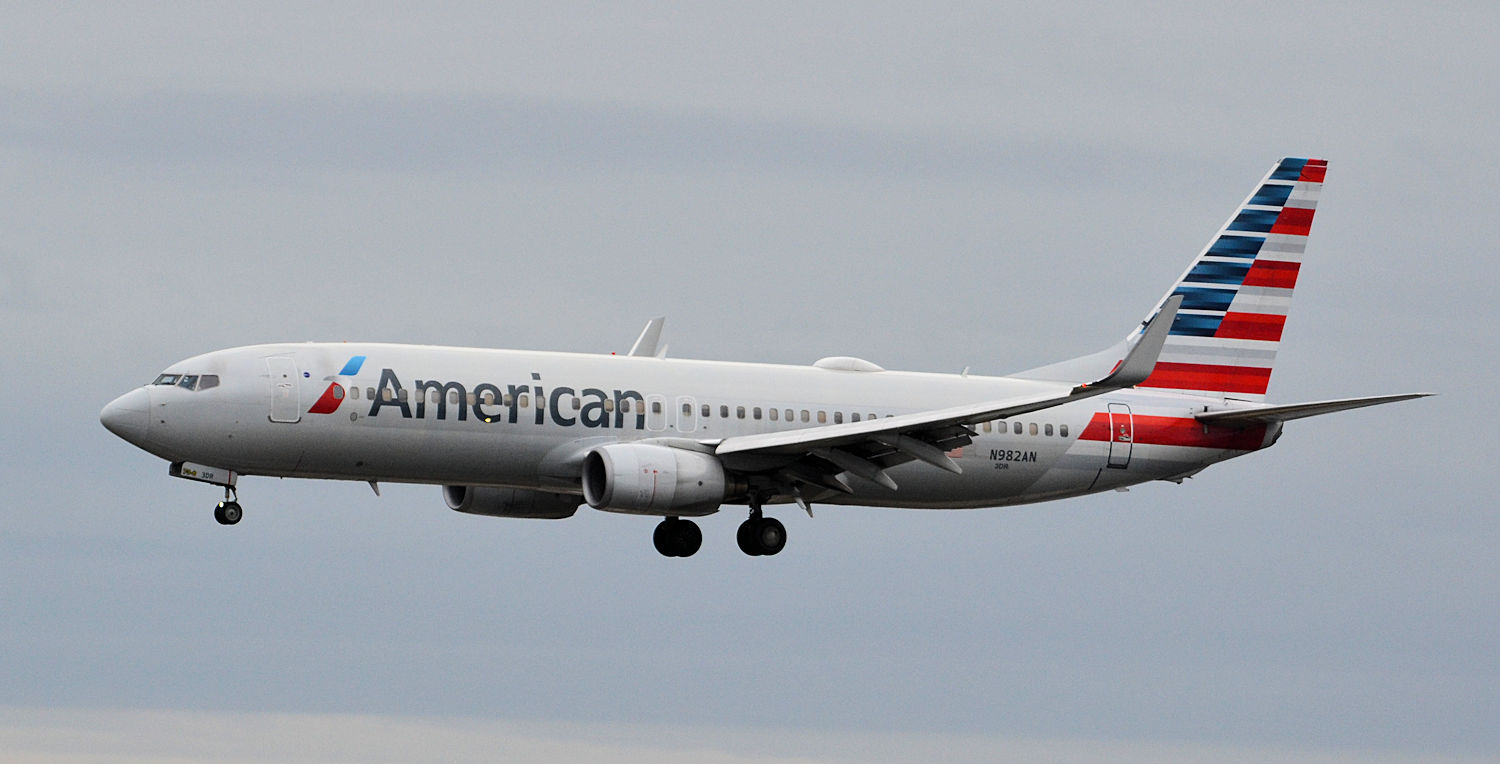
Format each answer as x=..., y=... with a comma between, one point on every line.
x=229, y=512
x=758, y=536
x=676, y=537
x=761, y=535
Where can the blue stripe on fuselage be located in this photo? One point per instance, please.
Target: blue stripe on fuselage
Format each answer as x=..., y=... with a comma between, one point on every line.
x=352, y=367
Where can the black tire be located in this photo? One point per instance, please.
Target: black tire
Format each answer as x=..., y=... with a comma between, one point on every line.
x=745, y=536
x=689, y=538
x=663, y=537
x=228, y=512
x=770, y=536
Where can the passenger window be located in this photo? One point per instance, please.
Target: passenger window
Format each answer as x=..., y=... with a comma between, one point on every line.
x=453, y=397
x=524, y=400
x=1018, y=428
x=805, y=416
x=203, y=385
x=774, y=414
x=704, y=411
x=739, y=412
x=854, y=417
x=625, y=405
x=385, y=394
x=723, y=412
x=401, y=395
x=609, y=404
x=687, y=409
x=470, y=398
x=838, y=417
x=755, y=413
x=1062, y=430
x=788, y=413
x=488, y=398
x=985, y=427
x=1049, y=430
x=577, y=404
x=507, y=400
x=1033, y=428
x=434, y=396
x=656, y=407
x=822, y=417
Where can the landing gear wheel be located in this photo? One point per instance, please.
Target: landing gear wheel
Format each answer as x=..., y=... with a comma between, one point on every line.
x=675, y=537
x=770, y=536
x=746, y=538
x=761, y=536
x=228, y=512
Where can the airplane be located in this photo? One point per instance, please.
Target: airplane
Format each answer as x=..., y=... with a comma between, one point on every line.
x=528, y=434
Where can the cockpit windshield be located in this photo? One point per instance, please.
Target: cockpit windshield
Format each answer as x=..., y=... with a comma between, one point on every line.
x=188, y=381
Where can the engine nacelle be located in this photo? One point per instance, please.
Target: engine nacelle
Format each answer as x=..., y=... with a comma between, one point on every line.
x=509, y=502
x=647, y=479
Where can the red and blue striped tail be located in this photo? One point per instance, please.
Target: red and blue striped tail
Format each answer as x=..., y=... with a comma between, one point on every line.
x=1238, y=291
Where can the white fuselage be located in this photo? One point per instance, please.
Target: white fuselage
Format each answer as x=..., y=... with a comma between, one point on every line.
x=523, y=419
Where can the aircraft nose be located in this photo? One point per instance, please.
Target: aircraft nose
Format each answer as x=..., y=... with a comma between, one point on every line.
x=128, y=415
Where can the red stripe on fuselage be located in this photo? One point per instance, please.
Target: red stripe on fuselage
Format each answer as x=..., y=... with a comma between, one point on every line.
x=1296, y=221
x=1251, y=326
x=330, y=400
x=1178, y=431
x=1202, y=376
x=1273, y=273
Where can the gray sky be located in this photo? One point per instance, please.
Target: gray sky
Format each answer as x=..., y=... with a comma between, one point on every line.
x=985, y=185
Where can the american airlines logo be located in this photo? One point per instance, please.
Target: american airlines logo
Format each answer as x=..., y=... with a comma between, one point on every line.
x=489, y=402
x=329, y=401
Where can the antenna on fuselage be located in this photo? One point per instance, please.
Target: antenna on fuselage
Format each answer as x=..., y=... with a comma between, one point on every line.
x=645, y=345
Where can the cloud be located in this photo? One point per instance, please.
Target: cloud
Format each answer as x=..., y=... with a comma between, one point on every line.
x=54, y=736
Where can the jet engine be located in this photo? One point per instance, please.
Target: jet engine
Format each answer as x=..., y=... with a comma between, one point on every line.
x=647, y=479
x=509, y=502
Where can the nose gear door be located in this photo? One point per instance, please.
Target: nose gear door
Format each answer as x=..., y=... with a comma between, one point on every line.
x=286, y=396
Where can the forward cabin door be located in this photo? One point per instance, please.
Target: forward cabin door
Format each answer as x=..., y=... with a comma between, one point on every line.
x=1121, y=436
x=286, y=398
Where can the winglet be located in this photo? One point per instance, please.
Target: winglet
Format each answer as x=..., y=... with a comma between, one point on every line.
x=645, y=345
x=1141, y=359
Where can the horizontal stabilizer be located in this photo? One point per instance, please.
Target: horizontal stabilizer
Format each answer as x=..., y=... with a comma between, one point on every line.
x=1267, y=414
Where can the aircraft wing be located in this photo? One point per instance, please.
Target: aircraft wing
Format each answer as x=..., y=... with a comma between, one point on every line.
x=1268, y=414
x=821, y=454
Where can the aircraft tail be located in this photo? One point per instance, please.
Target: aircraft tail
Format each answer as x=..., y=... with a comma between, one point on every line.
x=1235, y=296
x=1237, y=292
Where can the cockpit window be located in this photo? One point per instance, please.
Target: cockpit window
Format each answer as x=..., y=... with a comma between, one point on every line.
x=188, y=381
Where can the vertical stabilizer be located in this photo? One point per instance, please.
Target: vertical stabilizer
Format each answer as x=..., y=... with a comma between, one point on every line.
x=1236, y=294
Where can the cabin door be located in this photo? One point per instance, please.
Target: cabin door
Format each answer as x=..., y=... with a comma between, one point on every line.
x=1121, y=436
x=286, y=398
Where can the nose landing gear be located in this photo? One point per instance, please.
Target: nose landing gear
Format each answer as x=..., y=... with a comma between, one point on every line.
x=228, y=512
